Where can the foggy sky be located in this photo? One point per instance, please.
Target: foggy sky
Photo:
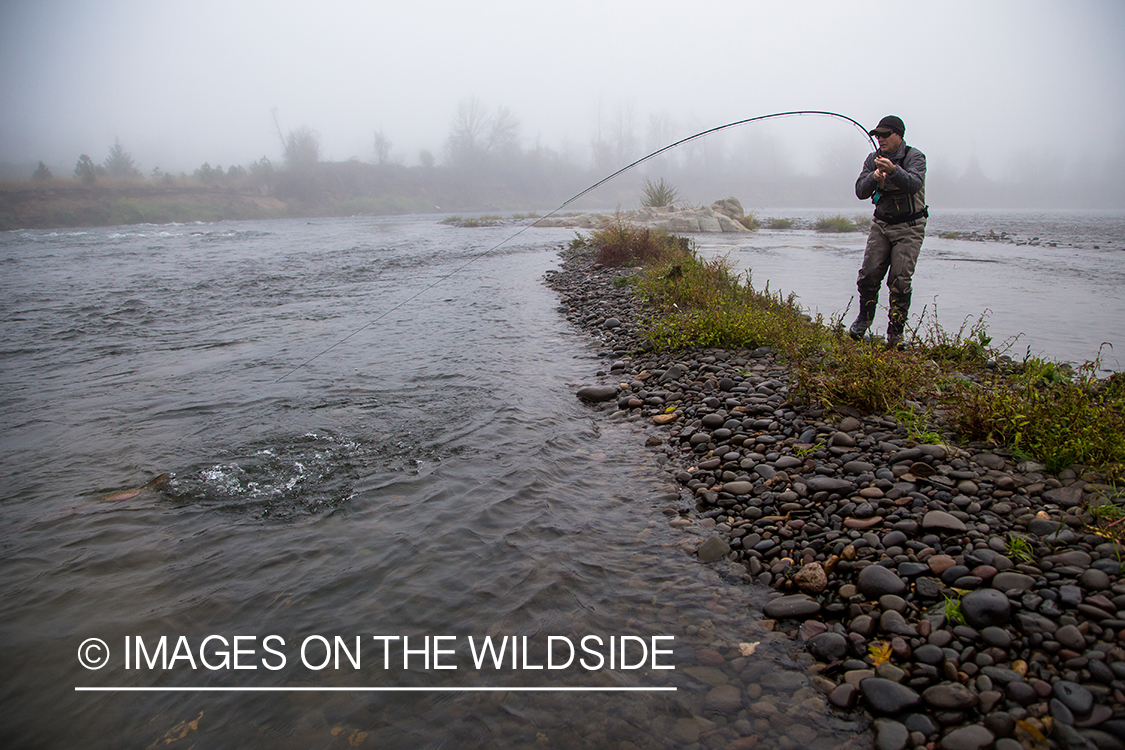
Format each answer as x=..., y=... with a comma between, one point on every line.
x=1012, y=83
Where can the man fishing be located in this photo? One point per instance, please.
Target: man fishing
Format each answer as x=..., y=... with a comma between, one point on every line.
x=894, y=179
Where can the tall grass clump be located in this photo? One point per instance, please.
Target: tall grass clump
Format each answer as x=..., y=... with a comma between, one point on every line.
x=835, y=223
x=657, y=194
x=779, y=223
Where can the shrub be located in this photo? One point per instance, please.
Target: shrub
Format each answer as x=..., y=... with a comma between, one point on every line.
x=657, y=194
x=780, y=224
x=622, y=244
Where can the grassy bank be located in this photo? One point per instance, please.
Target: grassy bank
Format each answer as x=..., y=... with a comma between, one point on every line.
x=942, y=382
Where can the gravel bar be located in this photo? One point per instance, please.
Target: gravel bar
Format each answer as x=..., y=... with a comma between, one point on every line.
x=890, y=562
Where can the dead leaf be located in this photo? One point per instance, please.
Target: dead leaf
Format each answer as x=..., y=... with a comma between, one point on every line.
x=178, y=732
x=747, y=649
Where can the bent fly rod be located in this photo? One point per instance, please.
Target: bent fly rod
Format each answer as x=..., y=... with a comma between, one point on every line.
x=567, y=202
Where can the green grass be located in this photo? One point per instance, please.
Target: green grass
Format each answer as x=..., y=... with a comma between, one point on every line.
x=953, y=611
x=1020, y=549
x=780, y=224
x=835, y=223
x=1055, y=414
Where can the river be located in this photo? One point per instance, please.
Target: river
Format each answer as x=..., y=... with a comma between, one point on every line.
x=426, y=481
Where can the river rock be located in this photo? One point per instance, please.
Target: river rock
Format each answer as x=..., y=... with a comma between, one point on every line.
x=714, y=548
x=875, y=581
x=972, y=737
x=888, y=697
x=939, y=520
x=828, y=647
x=792, y=606
x=725, y=699
x=596, y=393
x=1067, y=497
x=950, y=696
x=811, y=578
x=890, y=735
x=985, y=608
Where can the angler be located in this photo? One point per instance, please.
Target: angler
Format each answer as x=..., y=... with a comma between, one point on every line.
x=894, y=178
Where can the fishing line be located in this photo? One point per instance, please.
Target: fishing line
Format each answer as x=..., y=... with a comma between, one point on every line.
x=596, y=185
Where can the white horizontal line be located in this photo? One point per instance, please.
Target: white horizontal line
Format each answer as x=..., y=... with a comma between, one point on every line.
x=372, y=689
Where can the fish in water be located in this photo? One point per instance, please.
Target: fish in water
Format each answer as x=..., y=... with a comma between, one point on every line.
x=152, y=486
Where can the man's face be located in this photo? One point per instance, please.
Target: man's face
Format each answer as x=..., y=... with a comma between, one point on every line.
x=889, y=141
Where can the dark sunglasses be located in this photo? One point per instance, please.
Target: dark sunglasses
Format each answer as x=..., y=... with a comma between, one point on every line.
x=884, y=135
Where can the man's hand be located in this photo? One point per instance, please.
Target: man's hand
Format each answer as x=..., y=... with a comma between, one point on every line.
x=884, y=165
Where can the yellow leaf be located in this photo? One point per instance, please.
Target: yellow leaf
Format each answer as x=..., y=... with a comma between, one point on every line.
x=1034, y=733
x=747, y=649
x=879, y=651
x=357, y=738
x=670, y=409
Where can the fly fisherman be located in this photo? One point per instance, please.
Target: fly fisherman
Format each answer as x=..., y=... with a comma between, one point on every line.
x=895, y=181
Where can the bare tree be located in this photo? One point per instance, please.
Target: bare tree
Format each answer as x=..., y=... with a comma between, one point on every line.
x=382, y=147
x=476, y=133
x=302, y=148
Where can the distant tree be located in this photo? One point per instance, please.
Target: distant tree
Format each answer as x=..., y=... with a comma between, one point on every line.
x=236, y=172
x=261, y=171
x=382, y=147
x=302, y=148
x=207, y=174
x=85, y=170
x=120, y=163
x=426, y=158
x=42, y=173
x=476, y=133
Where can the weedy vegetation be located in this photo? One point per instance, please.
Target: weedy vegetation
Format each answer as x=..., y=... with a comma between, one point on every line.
x=780, y=224
x=962, y=383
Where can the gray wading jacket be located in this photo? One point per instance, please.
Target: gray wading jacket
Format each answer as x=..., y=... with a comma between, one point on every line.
x=904, y=191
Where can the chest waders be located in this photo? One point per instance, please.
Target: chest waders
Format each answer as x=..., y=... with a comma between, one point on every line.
x=893, y=245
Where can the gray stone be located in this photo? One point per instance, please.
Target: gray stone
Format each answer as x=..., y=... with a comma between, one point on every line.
x=875, y=581
x=828, y=647
x=1067, y=497
x=1094, y=580
x=890, y=735
x=972, y=737
x=792, y=606
x=1075, y=697
x=713, y=549
x=887, y=697
x=829, y=484
x=939, y=520
x=985, y=608
x=595, y=393
x=725, y=699
x=738, y=488
x=1071, y=637
x=950, y=696
x=1031, y=623
x=784, y=680
x=1011, y=580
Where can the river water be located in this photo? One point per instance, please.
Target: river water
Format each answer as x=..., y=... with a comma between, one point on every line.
x=430, y=476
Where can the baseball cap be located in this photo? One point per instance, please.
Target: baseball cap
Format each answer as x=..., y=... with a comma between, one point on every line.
x=889, y=123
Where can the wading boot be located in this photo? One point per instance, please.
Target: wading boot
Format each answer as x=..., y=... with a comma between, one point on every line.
x=896, y=320
x=867, y=305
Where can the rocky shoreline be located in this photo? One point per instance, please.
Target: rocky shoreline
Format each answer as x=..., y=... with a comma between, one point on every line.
x=957, y=595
